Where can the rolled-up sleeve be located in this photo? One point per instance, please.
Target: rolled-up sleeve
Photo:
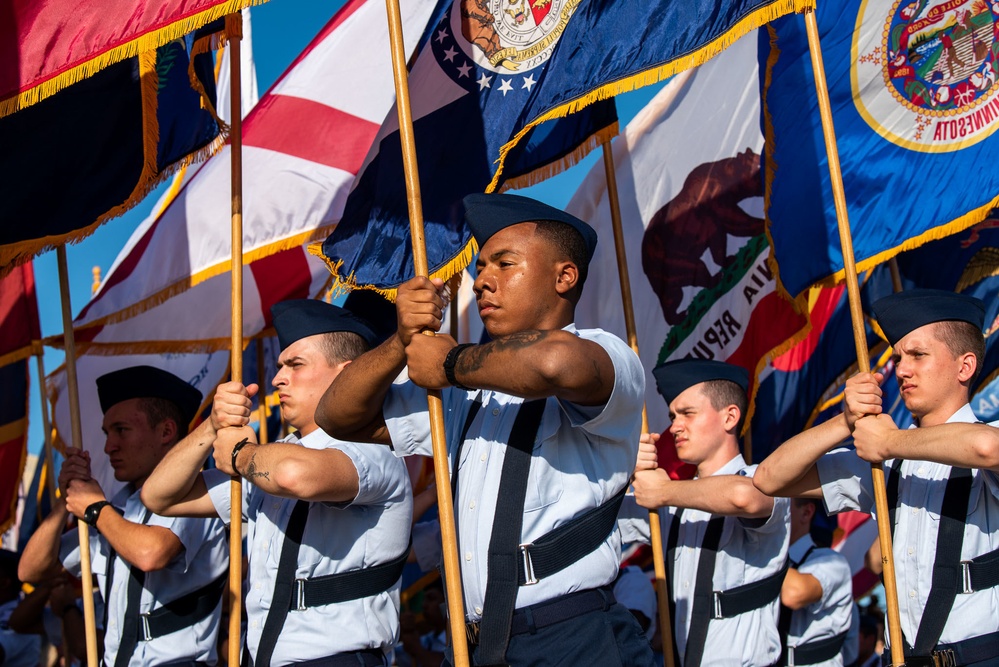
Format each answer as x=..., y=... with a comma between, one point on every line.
x=846, y=482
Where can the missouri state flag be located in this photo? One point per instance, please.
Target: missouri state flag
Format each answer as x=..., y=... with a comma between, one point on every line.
x=467, y=103
x=915, y=101
x=506, y=93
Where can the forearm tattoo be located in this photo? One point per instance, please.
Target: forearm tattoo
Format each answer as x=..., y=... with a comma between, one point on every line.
x=253, y=473
x=473, y=358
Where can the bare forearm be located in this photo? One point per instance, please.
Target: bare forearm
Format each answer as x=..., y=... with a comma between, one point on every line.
x=293, y=471
x=727, y=495
x=538, y=364
x=799, y=590
x=146, y=547
x=960, y=445
x=790, y=470
x=351, y=408
x=175, y=487
x=40, y=558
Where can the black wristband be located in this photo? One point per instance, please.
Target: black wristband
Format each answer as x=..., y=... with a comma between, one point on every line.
x=235, y=452
x=449, y=363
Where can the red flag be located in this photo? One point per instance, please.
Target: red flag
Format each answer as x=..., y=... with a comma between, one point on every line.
x=50, y=45
x=19, y=327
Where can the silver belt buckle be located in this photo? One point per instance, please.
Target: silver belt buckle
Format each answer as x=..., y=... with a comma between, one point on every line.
x=300, y=595
x=716, y=598
x=966, y=586
x=790, y=656
x=525, y=552
x=146, y=633
x=944, y=658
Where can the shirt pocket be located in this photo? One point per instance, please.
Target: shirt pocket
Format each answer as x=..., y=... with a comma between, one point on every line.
x=545, y=479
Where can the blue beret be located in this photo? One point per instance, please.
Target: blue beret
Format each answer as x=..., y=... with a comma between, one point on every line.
x=675, y=377
x=300, y=318
x=148, y=382
x=904, y=312
x=487, y=214
x=374, y=309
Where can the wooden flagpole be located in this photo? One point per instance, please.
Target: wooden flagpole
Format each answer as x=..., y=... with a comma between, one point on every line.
x=234, y=28
x=859, y=335
x=76, y=429
x=624, y=279
x=445, y=506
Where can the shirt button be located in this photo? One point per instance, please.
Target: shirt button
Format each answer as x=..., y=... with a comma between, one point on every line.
x=478, y=610
x=686, y=584
x=257, y=585
x=276, y=505
x=483, y=457
x=253, y=624
x=495, y=411
x=921, y=471
x=911, y=551
x=915, y=510
x=471, y=505
x=468, y=555
x=912, y=594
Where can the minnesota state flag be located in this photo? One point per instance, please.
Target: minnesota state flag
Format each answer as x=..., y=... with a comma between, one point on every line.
x=916, y=109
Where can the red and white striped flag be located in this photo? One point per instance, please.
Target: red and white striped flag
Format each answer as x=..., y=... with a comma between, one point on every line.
x=167, y=294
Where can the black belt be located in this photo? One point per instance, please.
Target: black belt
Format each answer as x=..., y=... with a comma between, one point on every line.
x=345, y=586
x=749, y=596
x=184, y=612
x=966, y=651
x=544, y=614
x=563, y=546
x=371, y=657
x=816, y=651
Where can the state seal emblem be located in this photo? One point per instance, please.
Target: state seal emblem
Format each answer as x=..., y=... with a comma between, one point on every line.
x=478, y=41
x=924, y=71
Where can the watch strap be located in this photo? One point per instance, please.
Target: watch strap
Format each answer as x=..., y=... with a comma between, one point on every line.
x=449, y=363
x=93, y=512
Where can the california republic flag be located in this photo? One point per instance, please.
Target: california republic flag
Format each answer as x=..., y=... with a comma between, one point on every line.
x=688, y=172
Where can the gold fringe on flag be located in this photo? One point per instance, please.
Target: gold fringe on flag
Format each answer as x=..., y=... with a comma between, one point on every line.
x=146, y=42
x=555, y=168
x=750, y=22
x=343, y=284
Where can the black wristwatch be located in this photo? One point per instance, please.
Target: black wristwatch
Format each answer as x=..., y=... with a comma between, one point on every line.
x=91, y=514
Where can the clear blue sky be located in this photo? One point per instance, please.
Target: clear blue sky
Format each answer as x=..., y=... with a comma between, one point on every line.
x=281, y=29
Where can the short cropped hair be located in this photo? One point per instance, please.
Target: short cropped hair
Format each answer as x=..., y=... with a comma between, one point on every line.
x=340, y=346
x=961, y=338
x=158, y=410
x=723, y=393
x=569, y=243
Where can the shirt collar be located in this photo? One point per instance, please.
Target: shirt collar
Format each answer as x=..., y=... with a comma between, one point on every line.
x=797, y=550
x=732, y=467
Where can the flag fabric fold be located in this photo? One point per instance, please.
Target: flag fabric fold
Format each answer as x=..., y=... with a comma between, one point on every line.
x=49, y=46
x=466, y=105
x=19, y=335
x=915, y=106
x=88, y=154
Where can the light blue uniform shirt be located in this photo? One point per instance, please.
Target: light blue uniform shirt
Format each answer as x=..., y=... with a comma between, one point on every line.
x=831, y=614
x=583, y=457
x=749, y=550
x=370, y=530
x=847, y=485
x=204, y=558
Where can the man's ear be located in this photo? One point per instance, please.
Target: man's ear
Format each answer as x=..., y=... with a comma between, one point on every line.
x=732, y=415
x=969, y=364
x=167, y=430
x=567, y=276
